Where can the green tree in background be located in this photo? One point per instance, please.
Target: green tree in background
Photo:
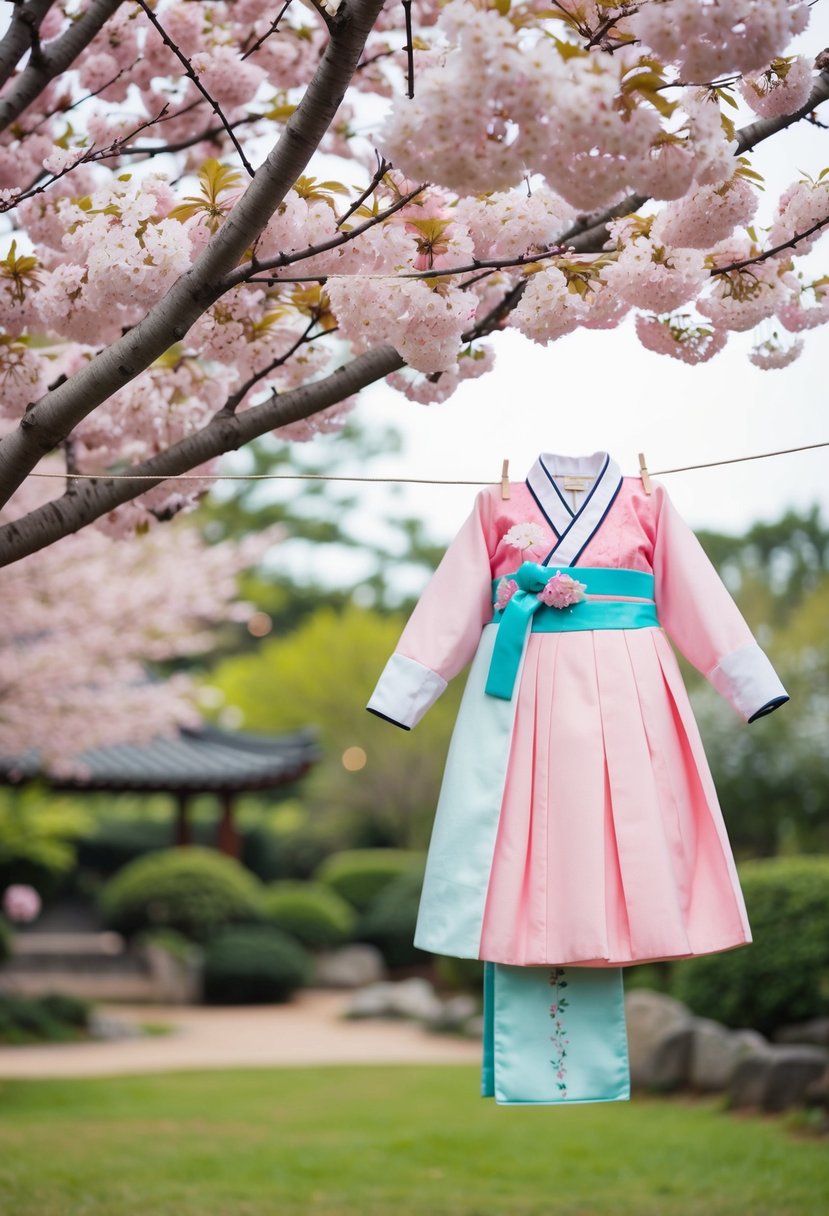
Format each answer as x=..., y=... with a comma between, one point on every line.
x=322, y=674
x=772, y=775
x=335, y=548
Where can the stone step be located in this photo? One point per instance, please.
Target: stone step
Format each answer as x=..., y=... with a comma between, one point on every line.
x=27, y=945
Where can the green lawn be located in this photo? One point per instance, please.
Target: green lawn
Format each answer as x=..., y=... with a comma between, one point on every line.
x=384, y=1142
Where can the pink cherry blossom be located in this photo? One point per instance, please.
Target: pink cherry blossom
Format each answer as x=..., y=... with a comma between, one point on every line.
x=21, y=903
x=783, y=87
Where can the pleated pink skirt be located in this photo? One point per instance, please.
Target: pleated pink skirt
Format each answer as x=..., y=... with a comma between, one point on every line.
x=611, y=847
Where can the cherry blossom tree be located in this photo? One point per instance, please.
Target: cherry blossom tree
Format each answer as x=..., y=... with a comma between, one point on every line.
x=224, y=220
x=85, y=620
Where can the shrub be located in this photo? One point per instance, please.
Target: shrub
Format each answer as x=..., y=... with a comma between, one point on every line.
x=51, y=1018
x=389, y=923
x=253, y=964
x=782, y=977
x=466, y=974
x=359, y=875
x=314, y=914
x=5, y=940
x=193, y=890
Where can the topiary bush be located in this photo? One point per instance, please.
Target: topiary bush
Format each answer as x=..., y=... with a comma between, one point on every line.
x=359, y=875
x=193, y=890
x=253, y=964
x=389, y=923
x=463, y=974
x=782, y=978
x=36, y=1019
x=314, y=914
x=5, y=940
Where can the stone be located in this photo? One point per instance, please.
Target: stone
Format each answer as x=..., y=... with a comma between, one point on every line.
x=415, y=998
x=373, y=1001
x=474, y=1027
x=349, y=967
x=793, y=1070
x=654, y=1019
x=103, y=1026
x=815, y=1032
x=715, y=1053
x=669, y=1064
x=748, y=1081
x=412, y=998
x=454, y=1013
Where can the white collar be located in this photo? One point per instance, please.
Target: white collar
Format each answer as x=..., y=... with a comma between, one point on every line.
x=574, y=529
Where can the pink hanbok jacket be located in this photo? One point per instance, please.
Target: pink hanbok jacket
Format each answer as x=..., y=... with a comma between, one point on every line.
x=577, y=823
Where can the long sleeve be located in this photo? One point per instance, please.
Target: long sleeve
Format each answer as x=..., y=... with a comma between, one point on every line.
x=444, y=629
x=703, y=621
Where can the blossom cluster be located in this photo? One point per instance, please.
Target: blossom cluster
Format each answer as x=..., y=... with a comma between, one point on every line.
x=85, y=618
x=524, y=117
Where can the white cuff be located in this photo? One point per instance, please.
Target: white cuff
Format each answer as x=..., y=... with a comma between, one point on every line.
x=405, y=690
x=747, y=679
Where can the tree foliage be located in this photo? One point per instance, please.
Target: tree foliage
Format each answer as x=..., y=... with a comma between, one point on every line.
x=224, y=222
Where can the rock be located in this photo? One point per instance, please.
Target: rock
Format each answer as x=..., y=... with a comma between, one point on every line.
x=817, y=1092
x=454, y=1013
x=748, y=1081
x=654, y=1020
x=415, y=998
x=350, y=967
x=373, y=1001
x=474, y=1027
x=715, y=1053
x=815, y=1032
x=670, y=1061
x=777, y=1076
x=102, y=1026
x=792, y=1071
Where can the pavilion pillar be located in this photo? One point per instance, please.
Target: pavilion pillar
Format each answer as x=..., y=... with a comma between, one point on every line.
x=183, y=836
x=227, y=838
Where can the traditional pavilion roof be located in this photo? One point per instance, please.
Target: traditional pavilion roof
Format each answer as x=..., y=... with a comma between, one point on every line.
x=201, y=760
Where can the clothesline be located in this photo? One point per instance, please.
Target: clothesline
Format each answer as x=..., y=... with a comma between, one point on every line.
x=421, y=481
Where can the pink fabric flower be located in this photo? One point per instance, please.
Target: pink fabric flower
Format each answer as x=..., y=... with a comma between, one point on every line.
x=21, y=902
x=562, y=591
x=507, y=588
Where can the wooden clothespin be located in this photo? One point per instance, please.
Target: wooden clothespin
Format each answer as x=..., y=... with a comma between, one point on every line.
x=505, y=480
x=644, y=474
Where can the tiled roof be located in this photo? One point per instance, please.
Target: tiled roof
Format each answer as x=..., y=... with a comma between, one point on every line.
x=200, y=760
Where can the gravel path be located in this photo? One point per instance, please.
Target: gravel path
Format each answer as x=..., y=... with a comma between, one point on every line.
x=309, y=1030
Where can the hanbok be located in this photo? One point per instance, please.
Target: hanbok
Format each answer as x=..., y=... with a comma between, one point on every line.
x=578, y=825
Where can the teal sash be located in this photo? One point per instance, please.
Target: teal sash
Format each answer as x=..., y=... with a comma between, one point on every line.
x=554, y=1035
x=525, y=611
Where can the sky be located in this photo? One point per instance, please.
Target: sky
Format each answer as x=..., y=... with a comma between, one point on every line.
x=604, y=391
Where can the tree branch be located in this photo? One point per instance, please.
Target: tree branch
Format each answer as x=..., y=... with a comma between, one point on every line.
x=193, y=75
x=58, y=56
x=770, y=253
x=224, y=433
x=52, y=418
x=21, y=34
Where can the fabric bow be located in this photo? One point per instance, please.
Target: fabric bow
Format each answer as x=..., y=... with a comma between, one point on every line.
x=512, y=629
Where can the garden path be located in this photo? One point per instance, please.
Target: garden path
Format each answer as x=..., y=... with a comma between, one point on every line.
x=310, y=1030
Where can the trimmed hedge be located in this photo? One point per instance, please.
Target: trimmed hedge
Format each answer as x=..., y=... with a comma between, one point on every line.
x=359, y=875
x=193, y=890
x=5, y=940
x=51, y=1019
x=389, y=923
x=782, y=978
x=253, y=964
x=314, y=914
